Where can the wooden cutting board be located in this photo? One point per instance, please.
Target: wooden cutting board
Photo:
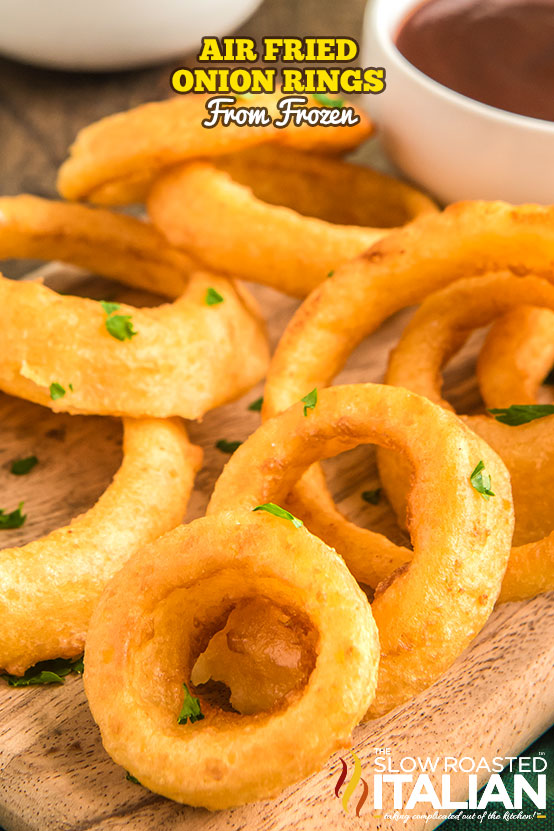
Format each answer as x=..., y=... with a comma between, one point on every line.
x=54, y=773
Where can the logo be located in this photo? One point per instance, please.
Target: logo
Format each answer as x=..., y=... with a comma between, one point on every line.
x=351, y=787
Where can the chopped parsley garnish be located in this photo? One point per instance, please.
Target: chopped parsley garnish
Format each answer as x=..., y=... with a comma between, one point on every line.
x=46, y=672
x=309, y=401
x=119, y=327
x=190, y=711
x=522, y=413
x=330, y=273
x=276, y=510
x=373, y=497
x=109, y=308
x=131, y=778
x=213, y=297
x=481, y=481
x=256, y=405
x=14, y=519
x=227, y=446
x=327, y=101
x=23, y=466
x=57, y=391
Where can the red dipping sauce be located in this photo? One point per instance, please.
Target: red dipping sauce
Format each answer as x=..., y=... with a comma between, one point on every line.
x=500, y=52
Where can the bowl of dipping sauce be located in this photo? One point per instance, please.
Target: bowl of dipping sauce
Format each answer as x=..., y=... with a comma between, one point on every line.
x=468, y=109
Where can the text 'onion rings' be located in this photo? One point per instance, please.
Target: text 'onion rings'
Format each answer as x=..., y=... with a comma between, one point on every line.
x=279, y=216
x=435, y=333
x=158, y=615
x=400, y=270
x=428, y=613
x=48, y=588
x=115, y=160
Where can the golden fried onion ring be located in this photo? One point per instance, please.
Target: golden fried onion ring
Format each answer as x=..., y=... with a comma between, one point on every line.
x=435, y=333
x=516, y=357
x=279, y=216
x=187, y=357
x=115, y=160
x=114, y=245
x=160, y=612
x=399, y=270
x=48, y=588
x=428, y=613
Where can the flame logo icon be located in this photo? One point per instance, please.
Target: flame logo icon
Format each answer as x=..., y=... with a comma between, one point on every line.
x=351, y=787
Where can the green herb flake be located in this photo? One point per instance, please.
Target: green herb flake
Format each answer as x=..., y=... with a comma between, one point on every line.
x=56, y=391
x=14, y=519
x=227, y=446
x=109, y=308
x=256, y=405
x=190, y=711
x=46, y=672
x=373, y=497
x=23, y=466
x=327, y=101
x=213, y=297
x=131, y=778
x=522, y=413
x=276, y=510
x=309, y=401
x=481, y=481
x=330, y=273
x=120, y=327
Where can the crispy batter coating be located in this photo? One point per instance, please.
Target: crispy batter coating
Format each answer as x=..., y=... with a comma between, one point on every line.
x=437, y=330
x=516, y=357
x=49, y=587
x=279, y=216
x=186, y=358
x=115, y=160
x=160, y=612
x=400, y=270
x=428, y=612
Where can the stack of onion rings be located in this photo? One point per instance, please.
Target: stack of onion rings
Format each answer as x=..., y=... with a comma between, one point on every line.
x=160, y=612
x=115, y=160
x=399, y=270
x=230, y=213
x=49, y=587
x=186, y=358
x=428, y=613
x=437, y=330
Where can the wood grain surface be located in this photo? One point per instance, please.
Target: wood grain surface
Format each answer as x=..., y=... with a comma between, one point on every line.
x=54, y=773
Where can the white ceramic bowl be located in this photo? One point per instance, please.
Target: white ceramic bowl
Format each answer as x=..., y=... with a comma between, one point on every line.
x=94, y=35
x=453, y=146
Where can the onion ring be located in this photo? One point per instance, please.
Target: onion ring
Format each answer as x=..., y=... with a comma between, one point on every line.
x=429, y=612
x=516, y=357
x=49, y=587
x=187, y=358
x=114, y=245
x=398, y=271
x=434, y=334
x=159, y=613
x=303, y=215
x=115, y=160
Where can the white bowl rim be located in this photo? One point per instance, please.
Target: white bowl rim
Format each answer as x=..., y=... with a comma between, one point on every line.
x=477, y=107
